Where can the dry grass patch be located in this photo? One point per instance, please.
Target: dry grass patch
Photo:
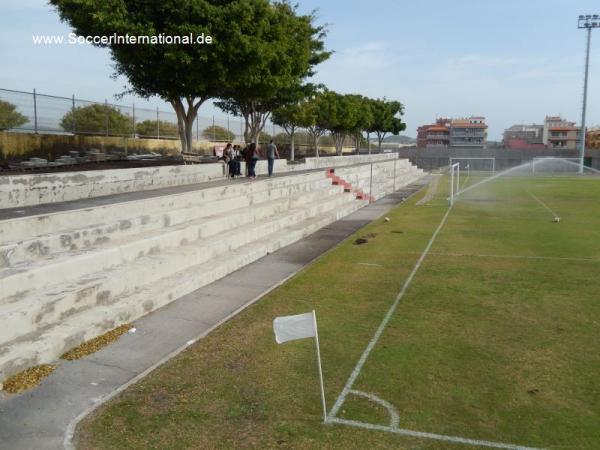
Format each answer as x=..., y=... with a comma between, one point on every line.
x=27, y=379
x=93, y=345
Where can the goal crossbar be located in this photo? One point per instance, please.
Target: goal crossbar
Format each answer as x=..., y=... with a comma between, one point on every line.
x=476, y=158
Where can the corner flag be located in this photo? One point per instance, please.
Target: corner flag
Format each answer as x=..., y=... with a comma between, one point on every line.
x=289, y=328
x=301, y=326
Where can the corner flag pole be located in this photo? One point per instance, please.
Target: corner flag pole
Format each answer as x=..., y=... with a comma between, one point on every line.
x=320, y=369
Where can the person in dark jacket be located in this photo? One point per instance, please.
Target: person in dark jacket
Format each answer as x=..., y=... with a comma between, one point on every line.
x=252, y=154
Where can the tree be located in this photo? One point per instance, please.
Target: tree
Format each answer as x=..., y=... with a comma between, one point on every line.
x=218, y=133
x=290, y=117
x=343, y=115
x=311, y=118
x=155, y=129
x=97, y=119
x=182, y=74
x=364, y=118
x=263, y=138
x=10, y=117
x=385, y=119
x=286, y=47
x=282, y=139
x=246, y=36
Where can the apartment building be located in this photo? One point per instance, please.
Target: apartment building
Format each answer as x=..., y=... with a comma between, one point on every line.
x=555, y=133
x=446, y=132
x=434, y=135
x=524, y=137
x=559, y=133
x=592, y=139
x=468, y=132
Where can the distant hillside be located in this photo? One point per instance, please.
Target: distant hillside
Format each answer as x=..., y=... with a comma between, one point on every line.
x=400, y=139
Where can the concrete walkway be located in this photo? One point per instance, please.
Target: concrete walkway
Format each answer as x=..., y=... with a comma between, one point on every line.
x=45, y=417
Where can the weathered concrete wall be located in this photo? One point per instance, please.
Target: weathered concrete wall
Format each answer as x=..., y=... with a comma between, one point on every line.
x=434, y=158
x=71, y=275
x=36, y=189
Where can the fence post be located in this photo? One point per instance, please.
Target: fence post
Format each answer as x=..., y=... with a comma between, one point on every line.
x=197, y=129
x=35, y=119
x=106, y=115
x=74, y=115
x=157, y=123
x=214, y=131
x=395, y=160
x=133, y=124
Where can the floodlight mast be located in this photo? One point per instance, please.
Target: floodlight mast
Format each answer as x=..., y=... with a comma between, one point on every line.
x=586, y=22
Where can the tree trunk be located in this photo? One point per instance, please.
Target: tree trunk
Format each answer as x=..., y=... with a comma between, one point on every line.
x=185, y=121
x=380, y=138
x=369, y=141
x=338, y=139
x=255, y=122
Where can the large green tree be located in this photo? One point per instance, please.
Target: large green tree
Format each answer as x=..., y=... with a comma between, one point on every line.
x=10, y=117
x=311, y=117
x=286, y=47
x=364, y=118
x=154, y=129
x=343, y=116
x=246, y=35
x=290, y=117
x=218, y=133
x=182, y=74
x=386, y=119
x=97, y=119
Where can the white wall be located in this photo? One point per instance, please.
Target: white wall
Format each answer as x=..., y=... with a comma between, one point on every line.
x=37, y=189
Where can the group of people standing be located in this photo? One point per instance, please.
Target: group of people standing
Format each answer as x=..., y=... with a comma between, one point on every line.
x=234, y=154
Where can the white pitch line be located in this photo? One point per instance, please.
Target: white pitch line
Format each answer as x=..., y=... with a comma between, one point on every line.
x=483, y=255
x=394, y=417
x=369, y=264
x=421, y=434
x=543, y=204
x=361, y=362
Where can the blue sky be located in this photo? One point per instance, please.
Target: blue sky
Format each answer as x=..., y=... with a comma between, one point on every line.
x=511, y=61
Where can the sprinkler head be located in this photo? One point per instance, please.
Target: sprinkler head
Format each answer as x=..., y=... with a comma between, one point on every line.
x=557, y=219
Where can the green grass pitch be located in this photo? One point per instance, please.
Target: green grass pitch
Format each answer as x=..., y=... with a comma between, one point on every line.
x=496, y=338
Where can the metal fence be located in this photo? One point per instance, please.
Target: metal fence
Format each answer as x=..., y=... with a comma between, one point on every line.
x=34, y=112
x=43, y=113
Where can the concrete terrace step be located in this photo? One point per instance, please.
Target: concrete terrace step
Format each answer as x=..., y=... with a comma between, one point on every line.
x=19, y=282
x=22, y=228
x=94, y=235
x=54, y=340
x=146, y=226
x=40, y=308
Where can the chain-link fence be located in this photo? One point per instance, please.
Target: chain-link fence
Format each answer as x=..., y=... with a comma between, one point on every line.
x=43, y=113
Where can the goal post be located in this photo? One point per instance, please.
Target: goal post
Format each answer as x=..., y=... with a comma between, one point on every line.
x=454, y=181
x=475, y=164
x=554, y=164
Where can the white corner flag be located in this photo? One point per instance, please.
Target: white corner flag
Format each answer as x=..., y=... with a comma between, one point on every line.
x=288, y=328
x=301, y=326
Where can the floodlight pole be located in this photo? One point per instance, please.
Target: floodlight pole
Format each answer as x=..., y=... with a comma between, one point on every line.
x=586, y=22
